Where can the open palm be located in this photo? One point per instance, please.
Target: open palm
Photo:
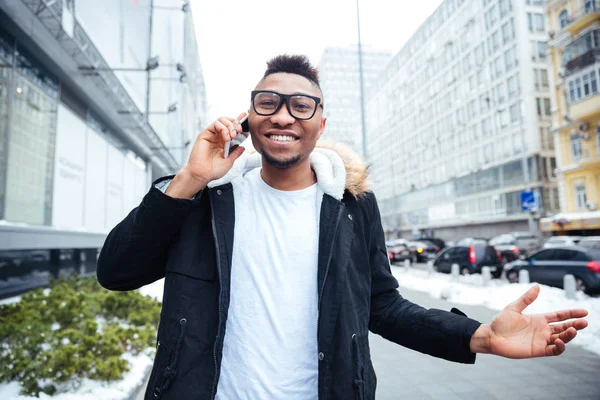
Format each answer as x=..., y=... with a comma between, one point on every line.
x=517, y=335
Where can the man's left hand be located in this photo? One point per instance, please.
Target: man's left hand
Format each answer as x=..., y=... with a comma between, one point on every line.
x=513, y=334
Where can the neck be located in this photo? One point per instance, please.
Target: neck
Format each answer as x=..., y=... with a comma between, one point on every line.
x=296, y=177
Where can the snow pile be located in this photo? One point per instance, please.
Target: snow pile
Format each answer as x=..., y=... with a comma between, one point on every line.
x=497, y=294
x=95, y=390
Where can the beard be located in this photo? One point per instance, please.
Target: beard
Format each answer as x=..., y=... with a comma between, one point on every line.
x=281, y=164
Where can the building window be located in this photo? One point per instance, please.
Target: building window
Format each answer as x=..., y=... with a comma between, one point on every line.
x=581, y=45
x=535, y=22
x=591, y=5
x=508, y=31
x=576, y=146
x=544, y=108
x=563, y=18
x=539, y=51
x=582, y=85
x=505, y=7
x=580, y=196
x=515, y=113
x=541, y=79
x=510, y=59
x=513, y=86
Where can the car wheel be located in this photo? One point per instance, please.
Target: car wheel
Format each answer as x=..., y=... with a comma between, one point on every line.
x=465, y=271
x=512, y=276
x=580, y=285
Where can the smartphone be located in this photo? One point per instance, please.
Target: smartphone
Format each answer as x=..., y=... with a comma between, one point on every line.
x=232, y=144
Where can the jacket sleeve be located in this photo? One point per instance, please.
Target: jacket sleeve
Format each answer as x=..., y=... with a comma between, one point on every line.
x=135, y=251
x=435, y=332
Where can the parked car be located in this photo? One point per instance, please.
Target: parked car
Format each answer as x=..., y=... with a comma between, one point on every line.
x=468, y=241
x=590, y=242
x=561, y=241
x=395, y=242
x=399, y=253
x=549, y=267
x=436, y=245
x=436, y=241
x=513, y=245
x=470, y=259
x=422, y=251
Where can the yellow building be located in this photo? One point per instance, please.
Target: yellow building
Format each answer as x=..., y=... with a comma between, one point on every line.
x=575, y=53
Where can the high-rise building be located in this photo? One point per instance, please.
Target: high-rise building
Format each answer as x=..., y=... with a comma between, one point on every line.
x=575, y=53
x=96, y=99
x=340, y=81
x=459, y=123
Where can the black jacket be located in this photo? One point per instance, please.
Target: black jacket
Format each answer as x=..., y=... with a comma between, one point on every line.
x=189, y=242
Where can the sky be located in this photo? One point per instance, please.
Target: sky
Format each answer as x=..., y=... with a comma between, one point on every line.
x=236, y=38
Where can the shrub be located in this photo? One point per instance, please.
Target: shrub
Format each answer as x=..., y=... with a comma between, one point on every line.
x=53, y=338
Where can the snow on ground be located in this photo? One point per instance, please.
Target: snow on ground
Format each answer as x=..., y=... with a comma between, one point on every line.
x=95, y=390
x=498, y=293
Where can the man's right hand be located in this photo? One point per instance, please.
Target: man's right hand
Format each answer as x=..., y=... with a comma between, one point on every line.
x=206, y=162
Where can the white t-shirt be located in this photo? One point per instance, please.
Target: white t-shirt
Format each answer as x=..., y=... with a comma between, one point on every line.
x=270, y=344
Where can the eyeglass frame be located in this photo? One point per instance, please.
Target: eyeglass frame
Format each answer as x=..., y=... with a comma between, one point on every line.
x=285, y=98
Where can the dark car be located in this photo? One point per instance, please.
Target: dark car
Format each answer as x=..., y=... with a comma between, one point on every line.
x=436, y=241
x=515, y=244
x=399, y=253
x=470, y=259
x=549, y=267
x=422, y=251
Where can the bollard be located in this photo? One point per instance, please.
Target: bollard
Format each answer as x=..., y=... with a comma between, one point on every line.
x=430, y=267
x=455, y=272
x=487, y=275
x=407, y=263
x=570, y=287
x=523, y=276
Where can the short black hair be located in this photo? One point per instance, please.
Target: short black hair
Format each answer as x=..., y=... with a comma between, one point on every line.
x=293, y=64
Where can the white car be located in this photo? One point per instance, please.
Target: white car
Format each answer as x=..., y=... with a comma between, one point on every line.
x=561, y=241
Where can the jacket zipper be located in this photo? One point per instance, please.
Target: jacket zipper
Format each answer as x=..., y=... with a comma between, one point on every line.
x=337, y=224
x=214, y=228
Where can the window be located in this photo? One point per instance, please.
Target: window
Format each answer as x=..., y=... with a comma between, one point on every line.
x=539, y=51
x=505, y=7
x=581, y=45
x=515, y=113
x=544, y=108
x=544, y=255
x=580, y=196
x=485, y=127
x=563, y=18
x=582, y=85
x=480, y=54
x=484, y=102
x=535, y=22
x=513, y=86
x=491, y=17
x=591, y=5
x=541, y=79
x=535, y=2
x=510, y=59
x=499, y=93
x=508, y=31
x=576, y=146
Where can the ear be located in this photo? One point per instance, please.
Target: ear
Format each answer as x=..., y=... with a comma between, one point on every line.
x=322, y=126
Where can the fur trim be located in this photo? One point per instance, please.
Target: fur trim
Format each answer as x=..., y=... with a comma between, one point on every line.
x=336, y=165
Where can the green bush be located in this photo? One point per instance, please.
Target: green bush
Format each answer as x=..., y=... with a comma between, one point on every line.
x=74, y=330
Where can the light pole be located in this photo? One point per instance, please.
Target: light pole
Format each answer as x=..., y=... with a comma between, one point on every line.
x=362, y=89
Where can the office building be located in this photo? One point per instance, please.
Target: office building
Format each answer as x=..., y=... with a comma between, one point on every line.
x=459, y=123
x=339, y=77
x=96, y=100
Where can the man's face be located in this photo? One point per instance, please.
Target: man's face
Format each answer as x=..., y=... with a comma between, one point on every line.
x=267, y=131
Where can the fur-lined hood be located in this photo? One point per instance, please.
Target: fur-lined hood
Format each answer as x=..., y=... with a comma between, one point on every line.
x=336, y=165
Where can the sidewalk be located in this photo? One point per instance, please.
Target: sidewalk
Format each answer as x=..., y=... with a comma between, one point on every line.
x=407, y=375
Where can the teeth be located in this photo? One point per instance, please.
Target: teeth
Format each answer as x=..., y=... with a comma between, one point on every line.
x=281, y=138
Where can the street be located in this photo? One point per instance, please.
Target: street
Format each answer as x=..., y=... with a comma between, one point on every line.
x=405, y=374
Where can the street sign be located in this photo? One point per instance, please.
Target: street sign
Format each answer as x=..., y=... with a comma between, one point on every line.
x=530, y=200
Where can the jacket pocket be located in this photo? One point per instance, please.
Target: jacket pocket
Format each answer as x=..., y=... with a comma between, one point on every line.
x=165, y=365
x=197, y=270
x=365, y=381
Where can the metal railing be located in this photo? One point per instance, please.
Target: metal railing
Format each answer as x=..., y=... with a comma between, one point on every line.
x=584, y=9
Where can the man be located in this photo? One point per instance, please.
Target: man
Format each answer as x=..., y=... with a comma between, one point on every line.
x=276, y=268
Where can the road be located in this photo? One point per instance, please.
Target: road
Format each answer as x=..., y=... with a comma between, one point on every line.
x=408, y=375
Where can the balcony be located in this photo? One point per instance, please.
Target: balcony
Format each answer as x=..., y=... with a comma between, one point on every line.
x=584, y=60
x=585, y=109
x=587, y=12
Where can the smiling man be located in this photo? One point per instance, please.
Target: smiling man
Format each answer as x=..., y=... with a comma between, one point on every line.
x=276, y=269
